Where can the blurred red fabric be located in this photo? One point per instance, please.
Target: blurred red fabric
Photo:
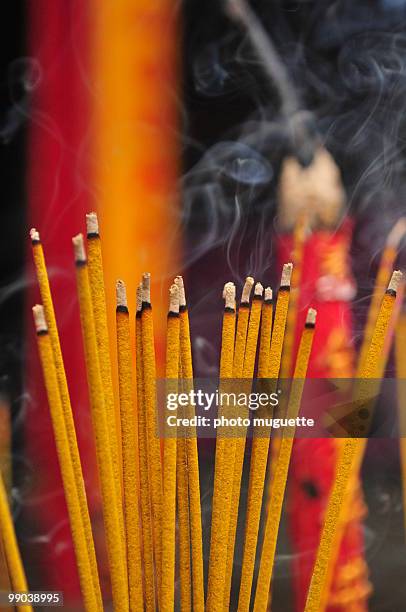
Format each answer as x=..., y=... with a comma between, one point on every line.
x=326, y=284
x=58, y=198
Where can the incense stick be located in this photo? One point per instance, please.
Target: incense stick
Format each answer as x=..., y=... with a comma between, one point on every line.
x=282, y=467
x=192, y=458
x=64, y=457
x=386, y=264
x=154, y=450
x=299, y=236
x=260, y=444
x=98, y=293
x=247, y=373
x=13, y=558
x=359, y=455
x=265, y=334
x=129, y=450
x=46, y=297
x=184, y=537
x=400, y=358
x=350, y=450
x=259, y=458
x=167, y=597
x=145, y=494
x=224, y=468
x=277, y=342
x=112, y=523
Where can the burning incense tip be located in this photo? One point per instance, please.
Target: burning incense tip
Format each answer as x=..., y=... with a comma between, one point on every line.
x=316, y=189
x=182, y=297
x=236, y=9
x=92, y=223
x=395, y=281
x=246, y=292
x=397, y=232
x=34, y=235
x=121, y=293
x=146, y=287
x=79, y=248
x=311, y=316
x=174, y=299
x=286, y=274
x=229, y=295
x=39, y=318
x=139, y=297
x=268, y=294
x=259, y=290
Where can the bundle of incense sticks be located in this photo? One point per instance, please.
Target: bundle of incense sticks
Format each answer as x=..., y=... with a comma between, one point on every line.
x=150, y=487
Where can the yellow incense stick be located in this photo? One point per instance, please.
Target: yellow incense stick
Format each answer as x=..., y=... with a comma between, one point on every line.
x=118, y=572
x=282, y=468
x=65, y=462
x=259, y=458
x=185, y=587
x=223, y=476
x=96, y=279
x=357, y=461
x=265, y=334
x=146, y=514
x=382, y=279
x=182, y=499
x=299, y=236
x=167, y=594
x=260, y=444
x=192, y=459
x=400, y=354
x=5, y=442
x=129, y=451
x=13, y=558
x=350, y=451
x=43, y=283
x=278, y=333
x=248, y=371
x=154, y=447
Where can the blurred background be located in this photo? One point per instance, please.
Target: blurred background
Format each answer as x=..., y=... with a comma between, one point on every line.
x=162, y=117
